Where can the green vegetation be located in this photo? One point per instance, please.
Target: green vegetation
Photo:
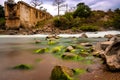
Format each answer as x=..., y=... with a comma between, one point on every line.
x=23, y=67
x=79, y=71
x=41, y=51
x=83, y=19
x=61, y=73
x=2, y=18
x=89, y=28
x=82, y=11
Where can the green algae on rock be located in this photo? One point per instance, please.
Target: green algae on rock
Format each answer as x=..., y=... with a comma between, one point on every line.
x=62, y=73
x=23, y=67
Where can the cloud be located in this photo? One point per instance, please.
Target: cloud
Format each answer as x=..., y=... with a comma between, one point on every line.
x=94, y=4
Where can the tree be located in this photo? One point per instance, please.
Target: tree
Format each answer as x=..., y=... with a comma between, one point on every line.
x=116, y=19
x=82, y=11
x=36, y=3
x=1, y=11
x=59, y=4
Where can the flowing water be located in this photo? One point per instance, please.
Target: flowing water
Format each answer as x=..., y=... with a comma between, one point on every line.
x=16, y=50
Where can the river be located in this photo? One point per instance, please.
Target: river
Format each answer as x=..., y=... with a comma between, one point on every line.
x=19, y=49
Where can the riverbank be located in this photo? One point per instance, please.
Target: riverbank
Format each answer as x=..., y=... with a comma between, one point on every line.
x=89, y=34
x=16, y=50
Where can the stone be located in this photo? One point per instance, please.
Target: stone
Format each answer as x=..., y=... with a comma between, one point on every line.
x=61, y=73
x=69, y=56
x=84, y=35
x=86, y=44
x=112, y=56
x=52, y=37
x=108, y=36
x=69, y=48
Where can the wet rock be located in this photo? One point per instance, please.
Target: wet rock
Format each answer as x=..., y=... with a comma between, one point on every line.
x=61, y=73
x=109, y=36
x=84, y=35
x=114, y=38
x=86, y=44
x=52, y=37
x=112, y=56
x=69, y=56
x=102, y=45
x=69, y=48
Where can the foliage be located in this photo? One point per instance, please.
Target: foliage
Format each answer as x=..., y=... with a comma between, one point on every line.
x=2, y=21
x=82, y=11
x=1, y=11
x=62, y=23
x=116, y=19
x=23, y=67
x=89, y=28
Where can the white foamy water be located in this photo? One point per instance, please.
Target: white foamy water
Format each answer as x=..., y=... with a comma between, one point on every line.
x=89, y=34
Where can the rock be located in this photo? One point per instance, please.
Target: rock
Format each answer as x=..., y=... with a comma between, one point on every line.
x=109, y=36
x=69, y=56
x=69, y=48
x=102, y=45
x=112, y=56
x=114, y=38
x=105, y=44
x=52, y=37
x=86, y=44
x=84, y=35
x=61, y=73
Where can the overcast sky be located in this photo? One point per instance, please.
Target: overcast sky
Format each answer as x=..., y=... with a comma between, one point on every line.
x=93, y=4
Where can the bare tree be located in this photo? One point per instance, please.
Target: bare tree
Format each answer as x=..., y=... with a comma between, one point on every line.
x=36, y=3
x=59, y=4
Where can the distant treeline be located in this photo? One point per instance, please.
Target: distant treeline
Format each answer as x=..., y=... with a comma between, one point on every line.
x=2, y=17
x=83, y=18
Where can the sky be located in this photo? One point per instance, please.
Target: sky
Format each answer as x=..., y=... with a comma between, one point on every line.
x=93, y=4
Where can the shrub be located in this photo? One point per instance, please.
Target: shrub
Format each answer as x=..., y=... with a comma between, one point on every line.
x=62, y=23
x=89, y=28
x=2, y=21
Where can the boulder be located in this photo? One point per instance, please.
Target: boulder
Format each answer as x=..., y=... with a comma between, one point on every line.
x=112, y=56
x=69, y=48
x=52, y=37
x=69, y=56
x=109, y=36
x=61, y=73
x=86, y=44
x=84, y=35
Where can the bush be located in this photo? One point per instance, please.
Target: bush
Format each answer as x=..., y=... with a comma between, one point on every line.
x=2, y=21
x=89, y=28
x=62, y=23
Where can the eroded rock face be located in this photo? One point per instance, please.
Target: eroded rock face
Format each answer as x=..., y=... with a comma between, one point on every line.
x=112, y=55
x=61, y=73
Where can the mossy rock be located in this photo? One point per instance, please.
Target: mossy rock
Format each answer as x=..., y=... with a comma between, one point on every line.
x=40, y=51
x=57, y=49
x=23, y=67
x=61, y=73
x=70, y=56
x=52, y=42
x=79, y=71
